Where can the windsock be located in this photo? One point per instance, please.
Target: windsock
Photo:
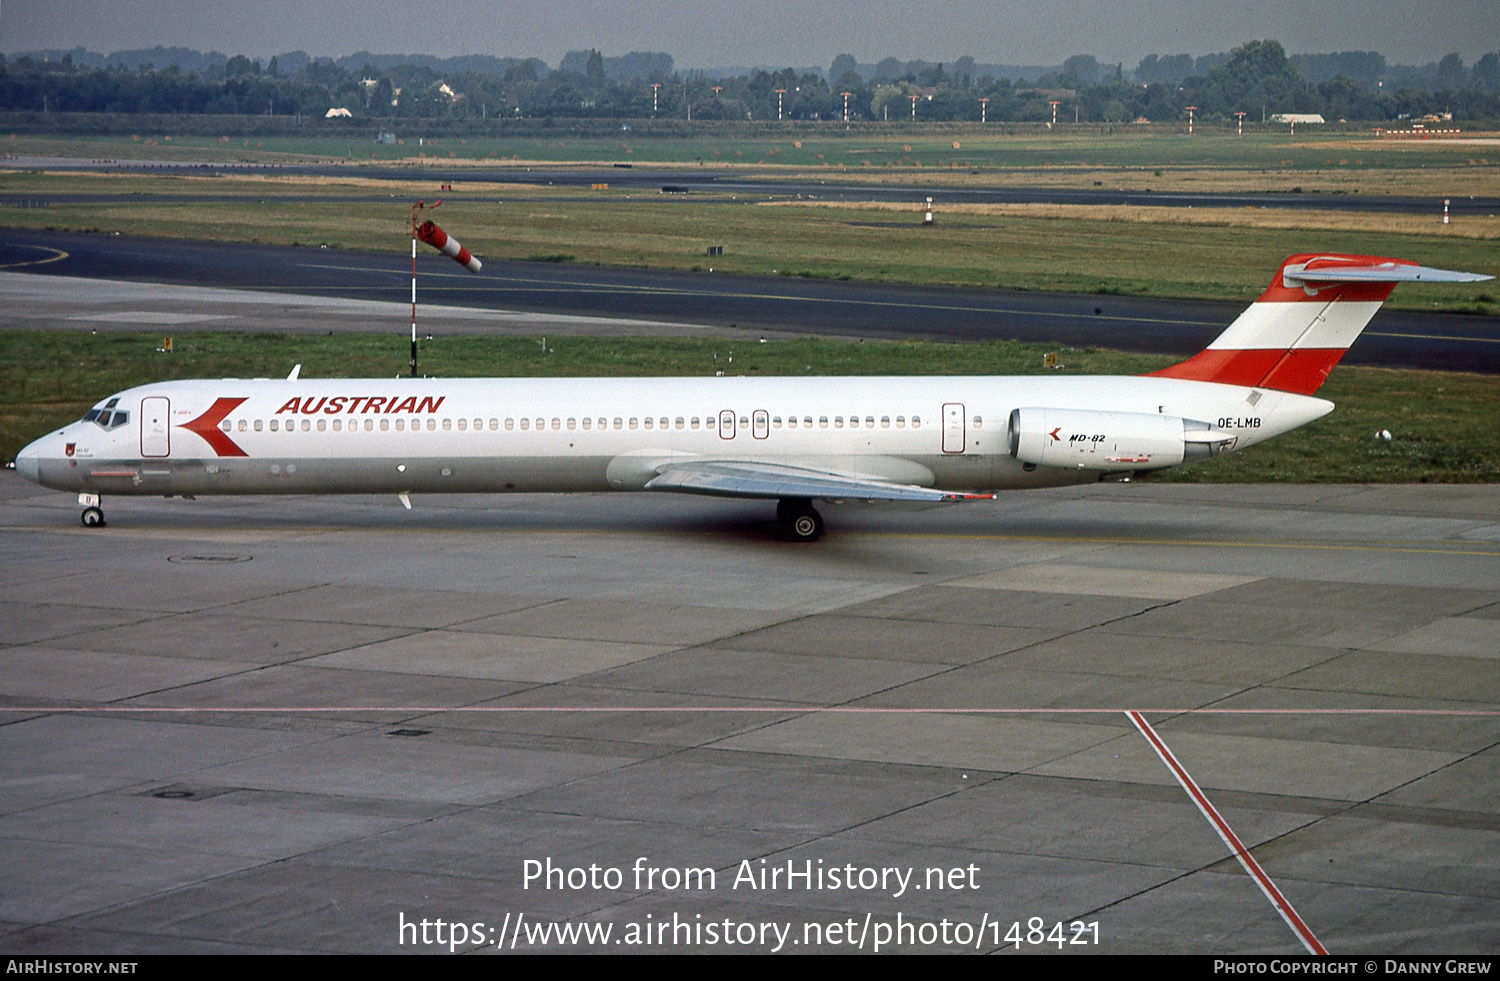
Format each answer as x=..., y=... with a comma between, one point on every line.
x=447, y=245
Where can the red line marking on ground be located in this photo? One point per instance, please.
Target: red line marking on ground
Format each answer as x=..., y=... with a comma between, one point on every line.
x=747, y=709
x=1226, y=833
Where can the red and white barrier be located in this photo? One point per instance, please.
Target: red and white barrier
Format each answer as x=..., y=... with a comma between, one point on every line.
x=447, y=245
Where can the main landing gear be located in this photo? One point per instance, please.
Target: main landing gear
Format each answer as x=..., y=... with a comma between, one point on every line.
x=803, y=522
x=93, y=514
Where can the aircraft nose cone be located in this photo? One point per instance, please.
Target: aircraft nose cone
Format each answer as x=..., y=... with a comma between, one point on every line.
x=28, y=463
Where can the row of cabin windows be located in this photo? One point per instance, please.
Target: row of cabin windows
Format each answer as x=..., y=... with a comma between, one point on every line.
x=603, y=423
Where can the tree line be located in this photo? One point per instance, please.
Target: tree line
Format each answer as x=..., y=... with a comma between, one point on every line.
x=1257, y=78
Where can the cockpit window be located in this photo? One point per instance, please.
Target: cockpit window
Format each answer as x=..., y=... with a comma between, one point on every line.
x=106, y=417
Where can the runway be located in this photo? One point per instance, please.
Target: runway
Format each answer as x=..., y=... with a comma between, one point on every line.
x=772, y=182
x=311, y=724
x=771, y=305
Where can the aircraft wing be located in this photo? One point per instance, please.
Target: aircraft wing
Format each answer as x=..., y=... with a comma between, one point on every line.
x=769, y=480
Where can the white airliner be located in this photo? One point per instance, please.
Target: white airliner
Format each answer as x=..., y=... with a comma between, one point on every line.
x=791, y=440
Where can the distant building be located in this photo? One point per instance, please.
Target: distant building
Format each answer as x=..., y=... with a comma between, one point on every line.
x=1298, y=117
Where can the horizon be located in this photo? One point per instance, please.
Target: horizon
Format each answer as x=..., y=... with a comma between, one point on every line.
x=775, y=33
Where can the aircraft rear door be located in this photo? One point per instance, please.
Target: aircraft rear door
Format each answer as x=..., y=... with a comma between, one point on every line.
x=155, y=438
x=953, y=427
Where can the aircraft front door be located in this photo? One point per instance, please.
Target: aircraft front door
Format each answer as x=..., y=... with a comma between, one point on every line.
x=156, y=440
x=953, y=427
x=726, y=424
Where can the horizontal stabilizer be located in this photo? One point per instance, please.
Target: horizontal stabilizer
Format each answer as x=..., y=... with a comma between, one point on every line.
x=1322, y=271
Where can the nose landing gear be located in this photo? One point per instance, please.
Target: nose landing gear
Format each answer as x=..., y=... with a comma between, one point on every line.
x=93, y=514
x=803, y=522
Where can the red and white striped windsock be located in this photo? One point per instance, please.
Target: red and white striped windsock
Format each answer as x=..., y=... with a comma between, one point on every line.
x=447, y=245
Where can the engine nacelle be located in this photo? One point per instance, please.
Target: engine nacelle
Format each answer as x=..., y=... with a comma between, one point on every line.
x=1084, y=439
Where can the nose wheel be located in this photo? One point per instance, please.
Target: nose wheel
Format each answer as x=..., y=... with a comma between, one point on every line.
x=93, y=514
x=803, y=522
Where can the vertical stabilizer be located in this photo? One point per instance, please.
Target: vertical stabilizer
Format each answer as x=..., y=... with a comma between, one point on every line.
x=1315, y=307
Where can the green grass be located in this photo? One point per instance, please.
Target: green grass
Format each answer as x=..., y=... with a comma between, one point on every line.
x=1441, y=422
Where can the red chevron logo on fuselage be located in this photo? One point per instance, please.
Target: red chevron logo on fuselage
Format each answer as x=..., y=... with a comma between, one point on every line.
x=207, y=426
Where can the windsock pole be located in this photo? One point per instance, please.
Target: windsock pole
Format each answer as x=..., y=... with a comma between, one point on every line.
x=414, y=307
x=429, y=232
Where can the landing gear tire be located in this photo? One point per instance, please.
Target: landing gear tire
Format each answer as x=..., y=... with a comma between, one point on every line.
x=803, y=522
x=92, y=517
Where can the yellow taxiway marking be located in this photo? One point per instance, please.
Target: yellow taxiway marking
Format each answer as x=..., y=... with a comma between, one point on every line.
x=58, y=255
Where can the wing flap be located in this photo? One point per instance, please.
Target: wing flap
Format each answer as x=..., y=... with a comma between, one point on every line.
x=768, y=480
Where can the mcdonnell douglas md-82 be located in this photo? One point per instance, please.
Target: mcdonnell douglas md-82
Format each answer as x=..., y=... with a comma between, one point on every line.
x=791, y=440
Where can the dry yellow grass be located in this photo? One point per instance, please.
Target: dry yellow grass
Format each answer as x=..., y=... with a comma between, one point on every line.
x=1480, y=180
x=1487, y=227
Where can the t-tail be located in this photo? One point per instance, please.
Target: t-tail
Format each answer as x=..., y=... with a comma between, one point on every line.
x=1316, y=305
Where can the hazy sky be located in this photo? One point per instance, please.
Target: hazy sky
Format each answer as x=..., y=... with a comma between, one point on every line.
x=707, y=33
